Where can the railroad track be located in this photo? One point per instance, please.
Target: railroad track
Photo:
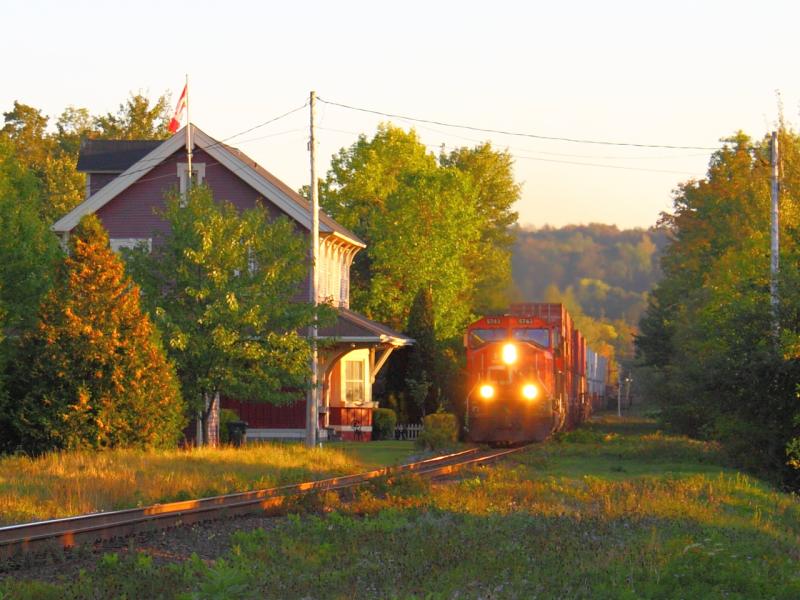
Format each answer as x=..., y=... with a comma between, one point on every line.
x=95, y=527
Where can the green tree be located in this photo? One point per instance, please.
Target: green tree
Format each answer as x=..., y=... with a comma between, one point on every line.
x=93, y=372
x=706, y=346
x=28, y=249
x=424, y=361
x=440, y=225
x=25, y=127
x=220, y=285
x=52, y=157
x=72, y=126
x=491, y=176
x=422, y=240
x=61, y=186
x=355, y=191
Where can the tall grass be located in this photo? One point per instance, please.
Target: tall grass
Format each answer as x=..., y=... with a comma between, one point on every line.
x=62, y=484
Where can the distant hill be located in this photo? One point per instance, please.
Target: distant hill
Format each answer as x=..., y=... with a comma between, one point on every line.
x=598, y=270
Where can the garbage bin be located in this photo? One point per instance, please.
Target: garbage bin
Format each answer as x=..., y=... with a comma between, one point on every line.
x=237, y=432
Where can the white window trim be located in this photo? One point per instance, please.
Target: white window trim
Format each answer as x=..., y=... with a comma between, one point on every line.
x=117, y=244
x=199, y=170
x=362, y=356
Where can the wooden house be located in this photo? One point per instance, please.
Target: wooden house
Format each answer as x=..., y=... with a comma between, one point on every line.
x=126, y=182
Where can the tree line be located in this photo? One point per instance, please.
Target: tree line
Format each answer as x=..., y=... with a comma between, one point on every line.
x=603, y=275
x=706, y=348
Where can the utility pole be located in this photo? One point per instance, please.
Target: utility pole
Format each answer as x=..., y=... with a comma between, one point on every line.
x=313, y=394
x=628, y=382
x=188, y=141
x=774, y=267
x=619, y=394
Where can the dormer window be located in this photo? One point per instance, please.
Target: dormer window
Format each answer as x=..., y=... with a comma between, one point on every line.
x=198, y=176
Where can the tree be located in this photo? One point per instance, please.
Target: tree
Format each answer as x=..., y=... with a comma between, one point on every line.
x=61, y=186
x=221, y=286
x=424, y=359
x=355, y=191
x=136, y=119
x=93, y=372
x=422, y=240
x=28, y=249
x=52, y=157
x=25, y=127
x=491, y=177
x=440, y=225
x=706, y=342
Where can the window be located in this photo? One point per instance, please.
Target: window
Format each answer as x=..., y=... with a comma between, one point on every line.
x=354, y=385
x=540, y=337
x=480, y=337
x=117, y=244
x=198, y=175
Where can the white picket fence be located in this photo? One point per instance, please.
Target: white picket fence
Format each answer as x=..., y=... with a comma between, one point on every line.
x=407, y=432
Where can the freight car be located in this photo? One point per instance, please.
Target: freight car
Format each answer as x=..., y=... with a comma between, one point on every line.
x=527, y=375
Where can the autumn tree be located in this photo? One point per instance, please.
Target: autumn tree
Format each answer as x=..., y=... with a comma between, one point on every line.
x=221, y=285
x=93, y=372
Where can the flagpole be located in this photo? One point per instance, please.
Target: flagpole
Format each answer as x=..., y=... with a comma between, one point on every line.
x=188, y=139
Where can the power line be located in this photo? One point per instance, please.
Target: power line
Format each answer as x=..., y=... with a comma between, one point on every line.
x=514, y=133
x=286, y=114
x=145, y=160
x=518, y=156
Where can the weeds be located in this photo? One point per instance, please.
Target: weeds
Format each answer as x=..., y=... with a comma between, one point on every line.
x=619, y=512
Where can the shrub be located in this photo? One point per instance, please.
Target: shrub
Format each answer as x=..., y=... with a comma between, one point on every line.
x=439, y=430
x=226, y=415
x=384, y=420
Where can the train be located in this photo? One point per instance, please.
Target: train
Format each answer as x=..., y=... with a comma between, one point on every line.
x=530, y=373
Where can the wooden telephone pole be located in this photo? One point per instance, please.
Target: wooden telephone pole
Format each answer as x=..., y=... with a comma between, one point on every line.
x=774, y=267
x=313, y=394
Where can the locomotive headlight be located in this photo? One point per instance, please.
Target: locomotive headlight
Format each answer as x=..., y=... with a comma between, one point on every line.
x=486, y=391
x=509, y=354
x=530, y=391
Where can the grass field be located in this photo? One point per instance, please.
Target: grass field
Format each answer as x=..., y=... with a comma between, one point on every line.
x=614, y=510
x=71, y=483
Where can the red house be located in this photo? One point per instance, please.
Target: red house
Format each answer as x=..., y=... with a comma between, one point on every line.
x=125, y=186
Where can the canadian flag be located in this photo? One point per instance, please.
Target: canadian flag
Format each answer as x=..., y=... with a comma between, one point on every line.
x=175, y=123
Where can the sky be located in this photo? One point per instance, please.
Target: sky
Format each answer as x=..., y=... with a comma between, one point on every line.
x=662, y=74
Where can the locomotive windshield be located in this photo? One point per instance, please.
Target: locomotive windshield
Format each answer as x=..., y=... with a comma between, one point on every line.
x=480, y=337
x=540, y=337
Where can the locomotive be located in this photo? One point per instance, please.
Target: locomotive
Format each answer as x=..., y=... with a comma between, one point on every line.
x=530, y=374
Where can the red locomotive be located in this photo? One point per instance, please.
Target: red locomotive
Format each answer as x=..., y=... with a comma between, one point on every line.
x=527, y=375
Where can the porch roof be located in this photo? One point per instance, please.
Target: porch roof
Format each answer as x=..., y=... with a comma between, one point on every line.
x=353, y=327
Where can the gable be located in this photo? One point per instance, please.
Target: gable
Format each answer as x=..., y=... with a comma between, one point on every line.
x=146, y=169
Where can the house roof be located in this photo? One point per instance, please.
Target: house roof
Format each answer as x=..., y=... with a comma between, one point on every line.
x=324, y=218
x=235, y=160
x=112, y=156
x=353, y=327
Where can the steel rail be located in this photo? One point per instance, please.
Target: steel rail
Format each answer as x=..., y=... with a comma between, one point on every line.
x=93, y=527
